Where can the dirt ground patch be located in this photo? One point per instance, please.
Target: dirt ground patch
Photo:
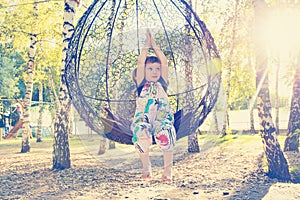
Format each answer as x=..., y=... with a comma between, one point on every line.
x=227, y=169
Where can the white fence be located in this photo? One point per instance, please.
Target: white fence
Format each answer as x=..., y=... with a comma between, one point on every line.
x=240, y=120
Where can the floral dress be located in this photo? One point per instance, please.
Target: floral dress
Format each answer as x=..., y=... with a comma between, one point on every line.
x=153, y=119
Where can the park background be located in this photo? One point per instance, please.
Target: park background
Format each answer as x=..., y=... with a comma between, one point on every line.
x=220, y=16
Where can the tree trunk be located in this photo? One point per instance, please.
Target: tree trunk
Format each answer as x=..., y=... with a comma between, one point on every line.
x=53, y=99
x=251, y=101
x=61, y=150
x=277, y=164
x=252, y=128
x=72, y=124
x=277, y=96
x=102, y=146
x=112, y=144
x=41, y=108
x=26, y=131
x=228, y=70
x=193, y=145
x=292, y=140
x=216, y=121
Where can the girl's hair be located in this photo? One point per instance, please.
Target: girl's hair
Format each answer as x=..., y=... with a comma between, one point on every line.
x=152, y=59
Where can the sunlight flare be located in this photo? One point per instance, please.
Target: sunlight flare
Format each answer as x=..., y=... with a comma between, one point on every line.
x=282, y=30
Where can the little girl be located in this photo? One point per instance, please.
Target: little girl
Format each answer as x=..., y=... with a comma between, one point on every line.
x=153, y=118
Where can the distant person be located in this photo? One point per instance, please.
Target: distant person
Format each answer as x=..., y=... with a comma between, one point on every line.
x=6, y=126
x=19, y=109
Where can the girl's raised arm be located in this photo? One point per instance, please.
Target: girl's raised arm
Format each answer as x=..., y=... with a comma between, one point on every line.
x=140, y=74
x=163, y=60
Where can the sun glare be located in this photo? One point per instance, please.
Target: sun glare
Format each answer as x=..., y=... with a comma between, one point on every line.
x=282, y=30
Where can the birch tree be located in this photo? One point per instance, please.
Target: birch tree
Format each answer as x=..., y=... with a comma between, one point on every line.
x=26, y=132
x=292, y=140
x=40, y=119
x=228, y=69
x=61, y=150
x=277, y=163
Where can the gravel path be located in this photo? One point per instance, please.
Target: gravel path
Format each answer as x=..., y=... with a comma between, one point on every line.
x=229, y=170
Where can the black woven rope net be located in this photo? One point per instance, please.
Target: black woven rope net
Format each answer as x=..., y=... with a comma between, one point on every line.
x=104, y=51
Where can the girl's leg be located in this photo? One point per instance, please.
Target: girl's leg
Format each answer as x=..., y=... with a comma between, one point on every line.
x=165, y=137
x=142, y=141
x=168, y=164
x=145, y=136
x=146, y=165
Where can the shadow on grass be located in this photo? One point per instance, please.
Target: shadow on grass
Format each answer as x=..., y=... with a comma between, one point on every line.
x=294, y=165
x=255, y=186
x=258, y=184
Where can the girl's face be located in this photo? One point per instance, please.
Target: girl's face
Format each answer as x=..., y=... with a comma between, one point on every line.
x=152, y=72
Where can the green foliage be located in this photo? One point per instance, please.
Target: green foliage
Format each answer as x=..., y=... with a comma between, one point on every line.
x=219, y=18
x=264, y=164
x=228, y=139
x=10, y=67
x=16, y=25
x=295, y=174
x=296, y=134
x=17, y=22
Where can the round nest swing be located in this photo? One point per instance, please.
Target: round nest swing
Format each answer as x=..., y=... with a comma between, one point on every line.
x=103, y=53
